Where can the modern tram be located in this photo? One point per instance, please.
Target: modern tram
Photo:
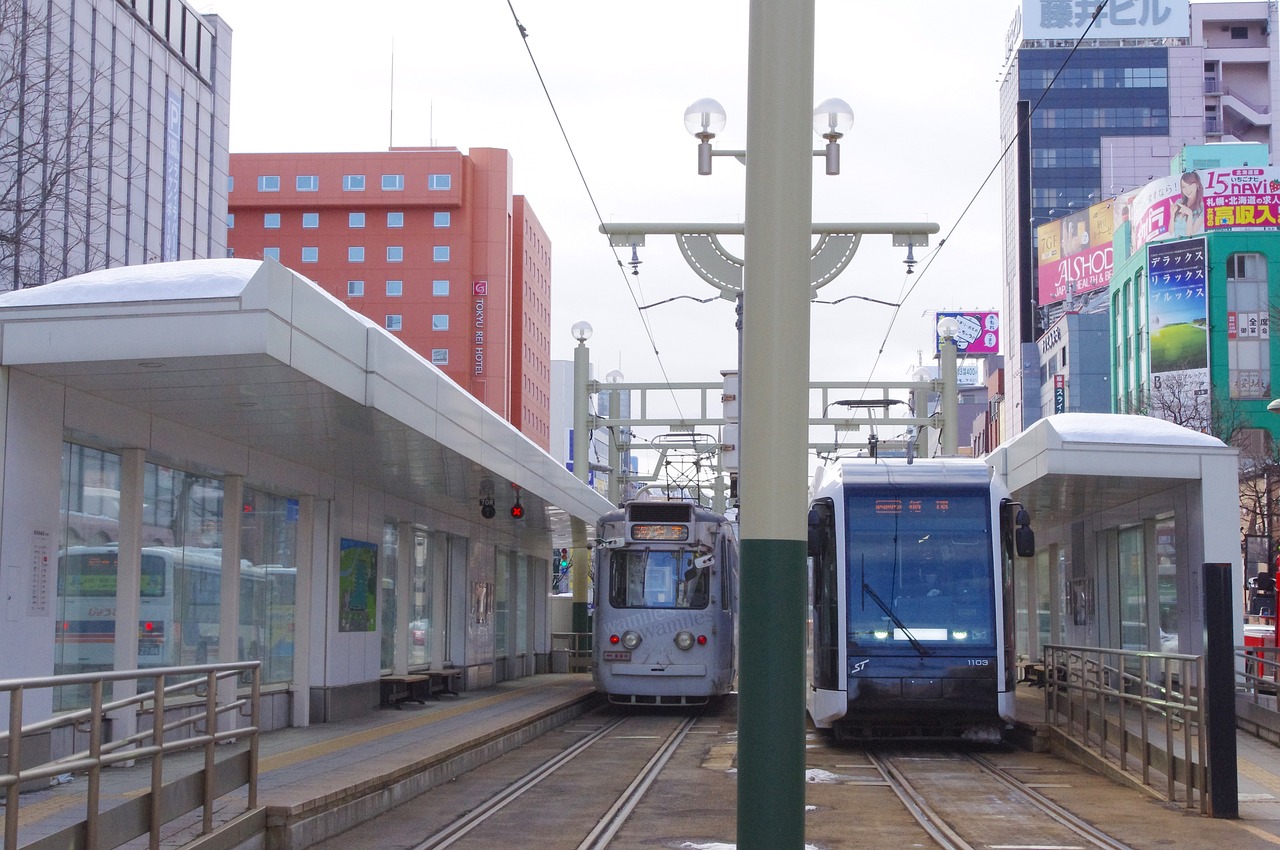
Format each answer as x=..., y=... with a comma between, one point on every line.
x=911, y=582
x=666, y=599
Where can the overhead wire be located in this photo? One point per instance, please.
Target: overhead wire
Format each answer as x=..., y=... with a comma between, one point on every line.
x=524, y=38
x=904, y=292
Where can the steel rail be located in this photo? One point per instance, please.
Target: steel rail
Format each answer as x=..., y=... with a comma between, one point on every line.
x=918, y=806
x=477, y=816
x=608, y=827
x=1076, y=824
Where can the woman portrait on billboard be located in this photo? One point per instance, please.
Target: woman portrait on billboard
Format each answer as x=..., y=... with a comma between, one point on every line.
x=1188, y=209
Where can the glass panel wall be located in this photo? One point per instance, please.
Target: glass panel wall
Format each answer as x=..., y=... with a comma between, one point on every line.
x=1167, y=582
x=521, y=624
x=502, y=606
x=390, y=560
x=420, y=601
x=268, y=581
x=1133, y=591
x=89, y=500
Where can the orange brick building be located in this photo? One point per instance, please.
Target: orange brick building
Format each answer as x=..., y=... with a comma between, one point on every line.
x=429, y=243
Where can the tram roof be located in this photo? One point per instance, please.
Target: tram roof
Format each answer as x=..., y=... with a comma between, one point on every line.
x=265, y=361
x=1072, y=464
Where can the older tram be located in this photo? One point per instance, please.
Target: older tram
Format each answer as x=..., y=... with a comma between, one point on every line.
x=666, y=597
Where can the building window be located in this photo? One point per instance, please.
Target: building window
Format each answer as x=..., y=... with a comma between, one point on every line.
x=1248, y=327
x=395, y=288
x=1238, y=33
x=269, y=183
x=271, y=221
x=394, y=321
x=308, y=183
x=355, y=255
x=353, y=182
x=440, y=356
x=310, y=255
x=440, y=322
x=311, y=220
x=271, y=253
x=355, y=289
x=231, y=220
x=395, y=219
x=442, y=219
x=438, y=182
x=395, y=254
x=231, y=183
x=393, y=182
x=355, y=219
x=440, y=253
x=439, y=287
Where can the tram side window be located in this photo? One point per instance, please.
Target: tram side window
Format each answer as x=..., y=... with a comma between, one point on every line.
x=657, y=579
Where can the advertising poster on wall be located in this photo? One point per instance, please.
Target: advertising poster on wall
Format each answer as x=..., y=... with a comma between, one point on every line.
x=1177, y=316
x=1075, y=254
x=978, y=333
x=357, y=586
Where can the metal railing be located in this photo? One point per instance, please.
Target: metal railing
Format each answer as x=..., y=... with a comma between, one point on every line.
x=578, y=647
x=1258, y=678
x=151, y=810
x=1142, y=712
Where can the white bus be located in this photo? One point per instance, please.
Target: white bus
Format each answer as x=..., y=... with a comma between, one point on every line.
x=178, y=613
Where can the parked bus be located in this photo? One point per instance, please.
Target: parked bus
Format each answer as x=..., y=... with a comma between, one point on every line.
x=180, y=595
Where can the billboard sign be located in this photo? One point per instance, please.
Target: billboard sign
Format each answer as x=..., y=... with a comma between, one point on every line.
x=979, y=332
x=1177, y=315
x=1075, y=253
x=1246, y=198
x=1061, y=20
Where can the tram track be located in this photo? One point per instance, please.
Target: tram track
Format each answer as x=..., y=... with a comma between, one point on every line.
x=607, y=825
x=965, y=804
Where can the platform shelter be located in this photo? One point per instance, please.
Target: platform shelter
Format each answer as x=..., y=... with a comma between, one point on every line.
x=215, y=460
x=1126, y=511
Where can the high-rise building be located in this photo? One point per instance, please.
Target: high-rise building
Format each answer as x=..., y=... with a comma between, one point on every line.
x=114, y=143
x=1092, y=121
x=431, y=244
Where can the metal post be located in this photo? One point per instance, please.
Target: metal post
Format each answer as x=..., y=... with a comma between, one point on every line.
x=950, y=397
x=581, y=437
x=774, y=420
x=1220, y=691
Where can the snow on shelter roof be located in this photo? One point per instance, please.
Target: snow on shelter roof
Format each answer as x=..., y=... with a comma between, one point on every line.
x=1122, y=428
x=181, y=280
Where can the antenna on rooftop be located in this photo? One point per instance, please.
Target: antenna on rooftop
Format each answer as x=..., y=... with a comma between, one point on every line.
x=391, y=119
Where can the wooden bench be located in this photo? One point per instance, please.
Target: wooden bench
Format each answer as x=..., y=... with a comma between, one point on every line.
x=442, y=682
x=401, y=689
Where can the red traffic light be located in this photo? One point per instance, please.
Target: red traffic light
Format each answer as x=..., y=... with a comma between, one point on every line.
x=517, y=511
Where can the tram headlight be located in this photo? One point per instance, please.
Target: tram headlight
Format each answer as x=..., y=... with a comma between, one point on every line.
x=881, y=634
x=684, y=640
x=630, y=640
x=960, y=634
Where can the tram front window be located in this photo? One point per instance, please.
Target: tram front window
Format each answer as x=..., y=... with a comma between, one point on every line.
x=920, y=569
x=649, y=578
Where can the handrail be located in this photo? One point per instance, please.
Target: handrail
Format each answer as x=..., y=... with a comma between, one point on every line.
x=1116, y=702
x=150, y=744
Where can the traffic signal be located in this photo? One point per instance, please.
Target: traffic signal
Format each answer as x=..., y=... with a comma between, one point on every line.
x=563, y=562
x=517, y=510
x=486, y=508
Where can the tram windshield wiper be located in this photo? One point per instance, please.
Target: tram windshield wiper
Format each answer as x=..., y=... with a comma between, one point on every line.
x=875, y=597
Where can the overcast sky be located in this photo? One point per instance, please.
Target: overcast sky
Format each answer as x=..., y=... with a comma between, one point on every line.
x=921, y=76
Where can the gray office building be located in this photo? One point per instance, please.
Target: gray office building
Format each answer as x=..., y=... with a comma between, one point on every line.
x=113, y=136
x=1094, y=107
